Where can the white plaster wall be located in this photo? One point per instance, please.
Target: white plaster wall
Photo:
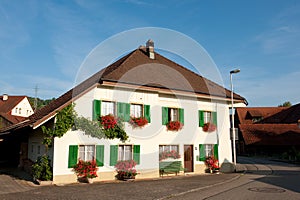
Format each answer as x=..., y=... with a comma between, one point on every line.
x=152, y=135
x=26, y=109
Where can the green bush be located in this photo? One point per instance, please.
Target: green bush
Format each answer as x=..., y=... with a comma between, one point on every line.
x=41, y=169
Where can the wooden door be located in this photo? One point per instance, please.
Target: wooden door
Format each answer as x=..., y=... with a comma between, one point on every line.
x=188, y=158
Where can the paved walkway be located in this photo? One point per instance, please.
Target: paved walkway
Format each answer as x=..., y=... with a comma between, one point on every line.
x=23, y=185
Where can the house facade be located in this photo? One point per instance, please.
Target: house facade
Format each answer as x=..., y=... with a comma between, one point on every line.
x=140, y=84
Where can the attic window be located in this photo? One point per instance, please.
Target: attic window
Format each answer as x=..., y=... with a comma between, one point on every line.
x=255, y=115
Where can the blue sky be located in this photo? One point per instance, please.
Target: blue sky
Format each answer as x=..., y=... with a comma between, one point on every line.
x=45, y=42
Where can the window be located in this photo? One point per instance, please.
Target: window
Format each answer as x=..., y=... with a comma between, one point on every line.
x=107, y=108
x=136, y=110
x=208, y=150
x=86, y=152
x=16, y=110
x=207, y=117
x=172, y=114
x=167, y=148
x=120, y=109
x=125, y=152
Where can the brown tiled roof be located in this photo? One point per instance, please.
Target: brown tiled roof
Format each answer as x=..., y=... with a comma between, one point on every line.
x=7, y=105
x=286, y=116
x=137, y=68
x=11, y=118
x=245, y=114
x=270, y=134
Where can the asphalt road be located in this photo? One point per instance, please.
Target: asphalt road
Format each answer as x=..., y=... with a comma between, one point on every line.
x=264, y=180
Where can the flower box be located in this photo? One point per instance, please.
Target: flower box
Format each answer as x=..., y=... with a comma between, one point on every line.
x=209, y=127
x=138, y=121
x=174, y=126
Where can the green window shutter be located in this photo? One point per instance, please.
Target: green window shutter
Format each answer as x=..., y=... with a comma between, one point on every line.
x=113, y=155
x=73, y=153
x=123, y=111
x=136, y=153
x=215, y=119
x=147, y=114
x=181, y=115
x=127, y=112
x=201, y=118
x=216, y=151
x=96, y=109
x=100, y=155
x=165, y=117
x=201, y=152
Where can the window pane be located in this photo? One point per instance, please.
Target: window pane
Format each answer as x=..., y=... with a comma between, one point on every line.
x=121, y=152
x=209, y=150
x=174, y=114
x=90, y=152
x=136, y=110
x=81, y=152
x=207, y=117
x=128, y=152
x=107, y=108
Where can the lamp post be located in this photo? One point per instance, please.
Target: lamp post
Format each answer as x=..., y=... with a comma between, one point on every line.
x=232, y=117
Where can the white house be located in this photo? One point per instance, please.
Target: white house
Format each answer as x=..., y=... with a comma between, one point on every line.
x=142, y=83
x=13, y=109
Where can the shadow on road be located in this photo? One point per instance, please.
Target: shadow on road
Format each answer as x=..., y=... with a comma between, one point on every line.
x=281, y=174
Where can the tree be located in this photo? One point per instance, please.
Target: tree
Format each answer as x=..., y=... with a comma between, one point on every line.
x=285, y=104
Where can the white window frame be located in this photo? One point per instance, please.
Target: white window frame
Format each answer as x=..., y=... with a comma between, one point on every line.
x=108, y=108
x=125, y=152
x=87, y=152
x=136, y=110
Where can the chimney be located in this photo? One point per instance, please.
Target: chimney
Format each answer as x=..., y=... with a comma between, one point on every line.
x=150, y=48
x=5, y=97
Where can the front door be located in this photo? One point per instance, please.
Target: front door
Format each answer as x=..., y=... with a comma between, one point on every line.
x=188, y=158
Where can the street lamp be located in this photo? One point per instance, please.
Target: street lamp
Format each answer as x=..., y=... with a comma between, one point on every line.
x=232, y=117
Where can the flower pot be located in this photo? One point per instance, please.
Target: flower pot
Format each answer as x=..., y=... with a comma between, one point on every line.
x=90, y=180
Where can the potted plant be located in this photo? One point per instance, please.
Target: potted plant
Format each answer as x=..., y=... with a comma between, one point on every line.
x=126, y=170
x=86, y=170
x=169, y=154
x=138, y=121
x=174, y=126
x=209, y=127
x=212, y=164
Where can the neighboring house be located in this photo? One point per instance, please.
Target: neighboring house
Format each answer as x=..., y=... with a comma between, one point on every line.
x=268, y=130
x=13, y=109
x=142, y=83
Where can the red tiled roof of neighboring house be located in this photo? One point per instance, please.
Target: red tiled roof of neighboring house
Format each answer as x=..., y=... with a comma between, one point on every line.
x=11, y=118
x=270, y=134
x=287, y=116
x=7, y=105
x=136, y=68
x=245, y=114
